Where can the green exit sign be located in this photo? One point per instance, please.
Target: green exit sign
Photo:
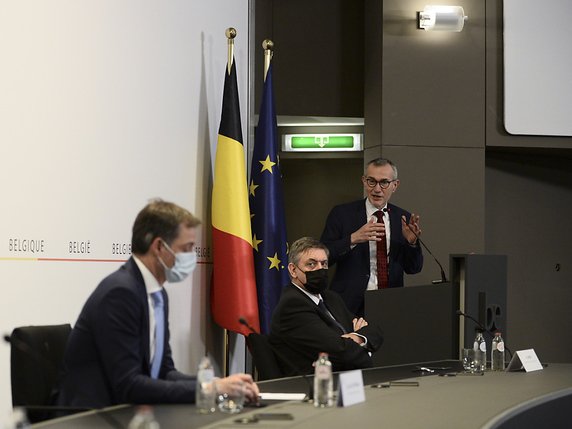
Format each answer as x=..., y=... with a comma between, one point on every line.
x=321, y=142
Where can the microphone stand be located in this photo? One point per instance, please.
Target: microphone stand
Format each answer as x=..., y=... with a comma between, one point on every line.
x=443, y=276
x=481, y=327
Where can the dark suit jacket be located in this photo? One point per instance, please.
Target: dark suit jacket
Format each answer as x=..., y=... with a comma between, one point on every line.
x=300, y=331
x=107, y=356
x=352, y=265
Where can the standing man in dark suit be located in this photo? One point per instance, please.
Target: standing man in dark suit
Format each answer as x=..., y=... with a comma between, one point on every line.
x=310, y=319
x=118, y=351
x=357, y=233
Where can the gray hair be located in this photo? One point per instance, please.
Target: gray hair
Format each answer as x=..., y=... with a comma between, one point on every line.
x=303, y=245
x=380, y=162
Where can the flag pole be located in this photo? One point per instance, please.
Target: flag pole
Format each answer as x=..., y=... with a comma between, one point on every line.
x=268, y=46
x=230, y=35
x=226, y=349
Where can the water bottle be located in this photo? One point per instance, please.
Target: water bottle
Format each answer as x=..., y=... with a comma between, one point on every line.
x=323, y=382
x=205, y=393
x=480, y=348
x=497, y=353
x=19, y=419
x=143, y=419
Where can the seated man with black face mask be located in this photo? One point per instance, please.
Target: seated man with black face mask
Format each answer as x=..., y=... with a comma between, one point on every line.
x=310, y=319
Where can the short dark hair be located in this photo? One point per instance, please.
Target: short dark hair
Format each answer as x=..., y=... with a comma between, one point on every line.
x=303, y=245
x=159, y=219
x=380, y=162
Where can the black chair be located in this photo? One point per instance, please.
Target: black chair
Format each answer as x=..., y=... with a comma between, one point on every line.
x=265, y=360
x=36, y=356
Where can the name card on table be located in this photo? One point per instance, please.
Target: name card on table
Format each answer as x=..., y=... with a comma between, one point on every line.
x=350, y=387
x=524, y=359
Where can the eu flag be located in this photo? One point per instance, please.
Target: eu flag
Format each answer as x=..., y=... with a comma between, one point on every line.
x=267, y=211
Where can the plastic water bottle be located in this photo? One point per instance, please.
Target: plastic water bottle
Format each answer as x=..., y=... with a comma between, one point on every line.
x=480, y=348
x=497, y=353
x=323, y=382
x=19, y=419
x=143, y=419
x=205, y=390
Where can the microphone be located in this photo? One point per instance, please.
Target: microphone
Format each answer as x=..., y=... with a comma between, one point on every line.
x=243, y=321
x=443, y=276
x=481, y=327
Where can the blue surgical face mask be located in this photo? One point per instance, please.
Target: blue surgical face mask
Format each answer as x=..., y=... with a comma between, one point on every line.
x=185, y=263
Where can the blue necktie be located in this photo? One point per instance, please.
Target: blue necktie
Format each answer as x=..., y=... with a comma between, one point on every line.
x=159, y=310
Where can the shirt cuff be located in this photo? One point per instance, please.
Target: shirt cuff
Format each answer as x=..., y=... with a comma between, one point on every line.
x=362, y=337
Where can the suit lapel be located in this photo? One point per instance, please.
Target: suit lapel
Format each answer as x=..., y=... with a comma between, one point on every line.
x=323, y=315
x=338, y=322
x=360, y=218
x=395, y=225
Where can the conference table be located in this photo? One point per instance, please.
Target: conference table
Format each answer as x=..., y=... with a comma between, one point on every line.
x=444, y=398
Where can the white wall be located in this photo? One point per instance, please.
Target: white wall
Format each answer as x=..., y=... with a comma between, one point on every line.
x=103, y=105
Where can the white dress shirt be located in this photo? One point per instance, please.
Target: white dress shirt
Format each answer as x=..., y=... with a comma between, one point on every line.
x=151, y=285
x=370, y=209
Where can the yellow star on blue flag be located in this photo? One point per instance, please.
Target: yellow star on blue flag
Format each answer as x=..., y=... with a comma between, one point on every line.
x=268, y=204
x=267, y=164
x=274, y=262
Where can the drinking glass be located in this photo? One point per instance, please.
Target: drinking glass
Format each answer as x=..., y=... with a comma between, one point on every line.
x=232, y=403
x=468, y=360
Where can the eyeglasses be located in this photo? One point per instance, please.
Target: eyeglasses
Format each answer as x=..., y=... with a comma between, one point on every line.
x=383, y=184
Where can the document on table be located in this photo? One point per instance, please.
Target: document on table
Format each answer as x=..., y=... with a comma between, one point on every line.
x=271, y=396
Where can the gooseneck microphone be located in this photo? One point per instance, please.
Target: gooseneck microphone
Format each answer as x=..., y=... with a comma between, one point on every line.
x=482, y=328
x=244, y=322
x=443, y=276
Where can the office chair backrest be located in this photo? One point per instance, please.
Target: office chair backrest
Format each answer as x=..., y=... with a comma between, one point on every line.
x=264, y=357
x=36, y=357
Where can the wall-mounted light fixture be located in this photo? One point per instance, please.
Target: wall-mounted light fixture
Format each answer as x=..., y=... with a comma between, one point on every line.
x=442, y=18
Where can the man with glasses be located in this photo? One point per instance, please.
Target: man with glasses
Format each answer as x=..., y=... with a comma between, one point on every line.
x=371, y=241
x=310, y=319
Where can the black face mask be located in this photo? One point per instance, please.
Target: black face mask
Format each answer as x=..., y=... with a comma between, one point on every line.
x=316, y=281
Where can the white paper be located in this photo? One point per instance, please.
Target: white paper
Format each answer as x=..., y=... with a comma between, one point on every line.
x=282, y=396
x=351, y=388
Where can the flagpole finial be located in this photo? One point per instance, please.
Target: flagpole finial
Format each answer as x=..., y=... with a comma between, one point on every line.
x=230, y=34
x=268, y=46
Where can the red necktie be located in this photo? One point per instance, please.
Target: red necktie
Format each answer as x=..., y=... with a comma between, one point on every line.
x=382, y=272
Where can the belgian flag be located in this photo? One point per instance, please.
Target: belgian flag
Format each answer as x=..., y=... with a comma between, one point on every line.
x=233, y=293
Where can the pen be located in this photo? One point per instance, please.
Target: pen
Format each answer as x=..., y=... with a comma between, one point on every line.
x=396, y=383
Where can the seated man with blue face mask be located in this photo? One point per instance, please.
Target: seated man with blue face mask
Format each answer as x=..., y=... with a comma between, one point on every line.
x=310, y=319
x=118, y=351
